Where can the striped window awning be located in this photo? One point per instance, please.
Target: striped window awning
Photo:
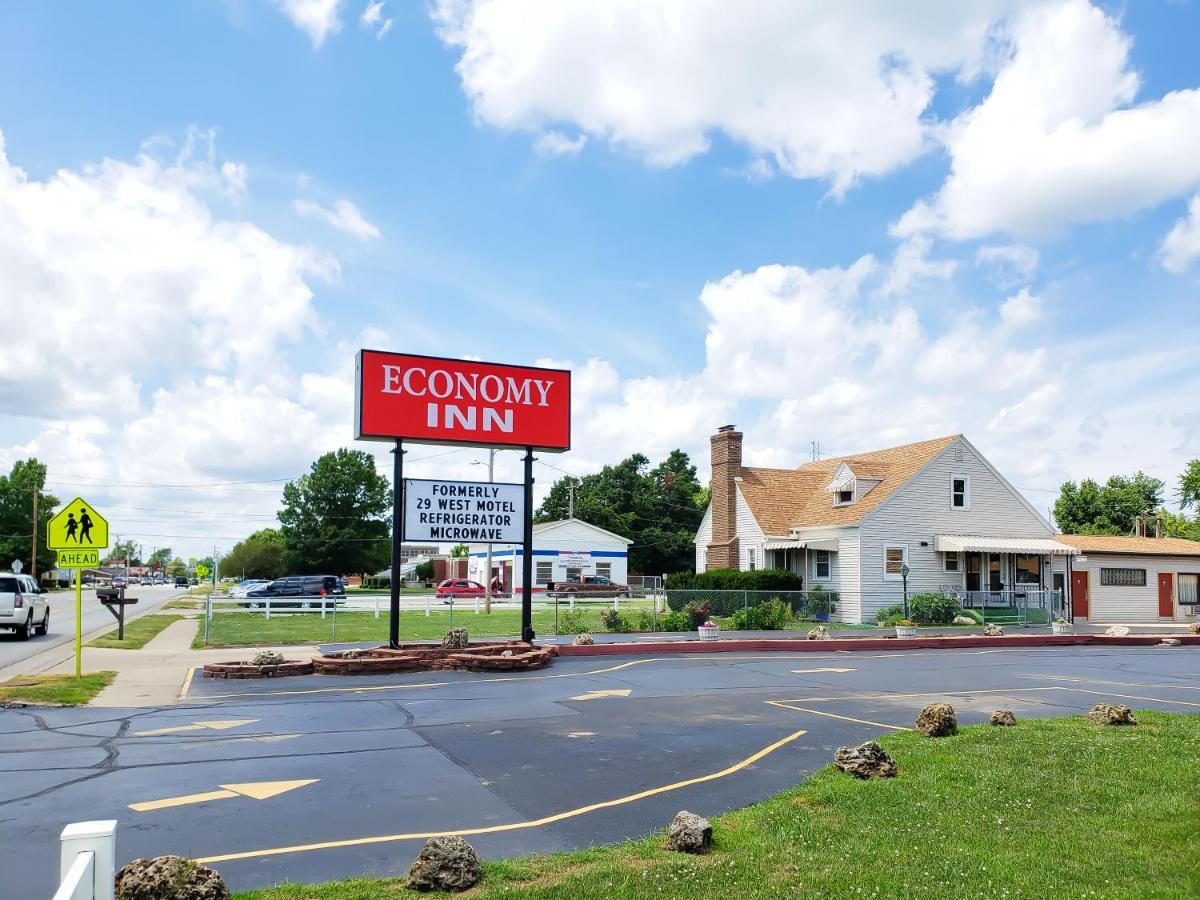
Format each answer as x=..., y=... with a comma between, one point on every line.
x=971, y=543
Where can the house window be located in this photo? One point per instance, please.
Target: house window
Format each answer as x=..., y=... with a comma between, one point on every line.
x=1189, y=590
x=960, y=492
x=604, y=569
x=822, y=565
x=750, y=558
x=1029, y=569
x=893, y=558
x=1123, y=577
x=545, y=573
x=845, y=496
x=951, y=563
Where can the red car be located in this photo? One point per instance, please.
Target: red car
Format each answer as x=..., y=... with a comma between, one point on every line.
x=457, y=588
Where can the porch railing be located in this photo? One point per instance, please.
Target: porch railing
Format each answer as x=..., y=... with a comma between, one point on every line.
x=1014, y=606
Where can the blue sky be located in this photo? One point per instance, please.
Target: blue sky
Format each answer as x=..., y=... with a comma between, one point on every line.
x=250, y=189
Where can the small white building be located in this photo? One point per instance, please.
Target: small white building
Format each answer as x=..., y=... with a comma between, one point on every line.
x=561, y=550
x=1131, y=579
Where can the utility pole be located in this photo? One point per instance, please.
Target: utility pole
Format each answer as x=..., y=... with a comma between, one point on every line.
x=33, y=569
x=571, y=498
x=487, y=575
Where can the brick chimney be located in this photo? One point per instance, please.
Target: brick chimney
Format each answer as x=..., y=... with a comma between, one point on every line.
x=726, y=447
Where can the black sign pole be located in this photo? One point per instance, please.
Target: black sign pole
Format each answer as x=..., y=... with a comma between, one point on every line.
x=527, y=553
x=397, y=537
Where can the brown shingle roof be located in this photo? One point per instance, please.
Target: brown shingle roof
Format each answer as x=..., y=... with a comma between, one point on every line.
x=1107, y=543
x=782, y=499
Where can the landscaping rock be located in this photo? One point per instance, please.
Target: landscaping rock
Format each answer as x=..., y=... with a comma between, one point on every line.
x=689, y=833
x=937, y=720
x=1194, y=627
x=1003, y=717
x=445, y=864
x=1116, y=631
x=1110, y=714
x=867, y=760
x=456, y=639
x=583, y=640
x=267, y=658
x=820, y=633
x=990, y=630
x=964, y=620
x=168, y=878
x=506, y=653
x=1169, y=642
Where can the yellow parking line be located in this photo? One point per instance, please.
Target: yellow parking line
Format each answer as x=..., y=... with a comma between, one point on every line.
x=512, y=826
x=816, y=712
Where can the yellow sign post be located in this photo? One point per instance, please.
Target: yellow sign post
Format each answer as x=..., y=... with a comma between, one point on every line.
x=78, y=533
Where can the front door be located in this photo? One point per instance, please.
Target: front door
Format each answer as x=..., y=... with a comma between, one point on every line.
x=1079, y=595
x=974, y=571
x=1166, y=595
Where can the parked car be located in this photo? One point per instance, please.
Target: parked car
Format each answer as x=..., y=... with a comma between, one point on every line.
x=22, y=606
x=240, y=589
x=458, y=588
x=588, y=586
x=181, y=581
x=313, y=591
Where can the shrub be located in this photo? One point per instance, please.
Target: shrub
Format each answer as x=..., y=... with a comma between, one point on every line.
x=614, y=621
x=771, y=616
x=646, y=621
x=820, y=602
x=889, y=615
x=676, y=620
x=573, y=621
x=697, y=613
x=680, y=583
x=932, y=609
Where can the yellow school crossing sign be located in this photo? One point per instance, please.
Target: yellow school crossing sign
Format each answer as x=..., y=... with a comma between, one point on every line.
x=78, y=533
x=77, y=527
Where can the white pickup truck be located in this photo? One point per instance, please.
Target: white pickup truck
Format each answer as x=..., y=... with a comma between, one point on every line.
x=22, y=606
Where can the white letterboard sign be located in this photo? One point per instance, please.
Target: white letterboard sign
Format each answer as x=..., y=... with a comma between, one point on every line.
x=468, y=512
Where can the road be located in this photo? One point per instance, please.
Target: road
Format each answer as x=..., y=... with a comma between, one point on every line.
x=316, y=778
x=95, y=616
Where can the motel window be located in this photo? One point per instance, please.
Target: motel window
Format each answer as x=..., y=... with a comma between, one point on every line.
x=1029, y=569
x=545, y=573
x=604, y=569
x=960, y=492
x=574, y=573
x=893, y=559
x=951, y=563
x=1189, y=590
x=1123, y=577
x=822, y=565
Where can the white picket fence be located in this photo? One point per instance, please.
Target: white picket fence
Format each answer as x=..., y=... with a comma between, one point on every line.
x=88, y=861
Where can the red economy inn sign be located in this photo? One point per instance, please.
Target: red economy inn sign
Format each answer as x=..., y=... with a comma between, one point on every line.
x=428, y=399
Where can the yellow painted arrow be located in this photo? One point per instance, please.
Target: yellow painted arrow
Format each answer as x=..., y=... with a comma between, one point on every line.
x=807, y=671
x=257, y=790
x=218, y=725
x=600, y=695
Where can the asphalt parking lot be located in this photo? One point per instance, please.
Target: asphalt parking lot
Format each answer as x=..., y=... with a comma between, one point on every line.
x=308, y=779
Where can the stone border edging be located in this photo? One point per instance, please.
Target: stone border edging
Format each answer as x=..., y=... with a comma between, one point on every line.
x=248, y=670
x=867, y=643
x=478, y=657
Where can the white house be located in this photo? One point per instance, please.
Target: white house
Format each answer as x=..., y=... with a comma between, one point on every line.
x=1131, y=579
x=852, y=523
x=561, y=550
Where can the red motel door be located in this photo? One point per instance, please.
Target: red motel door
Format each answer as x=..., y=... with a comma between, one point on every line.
x=1166, y=604
x=1079, y=594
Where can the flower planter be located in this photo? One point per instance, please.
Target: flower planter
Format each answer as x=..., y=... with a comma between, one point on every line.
x=1062, y=628
x=708, y=632
x=906, y=631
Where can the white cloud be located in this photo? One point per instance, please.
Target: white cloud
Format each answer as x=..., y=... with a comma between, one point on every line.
x=316, y=18
x=911, y=265
x=1008, y=264
x=1181, y=247
x=1021, y=309
x=1057, y=140
x=372, y=17
x=344, y=216
x=830, y=91
x=556, y=143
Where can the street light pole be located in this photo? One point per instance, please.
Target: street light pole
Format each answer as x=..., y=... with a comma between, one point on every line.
x=487, y=575
x=904, y=570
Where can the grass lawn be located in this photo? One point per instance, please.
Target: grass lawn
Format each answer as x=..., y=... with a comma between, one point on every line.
x=137, y=632
x=1048, y=808
x=65, y=690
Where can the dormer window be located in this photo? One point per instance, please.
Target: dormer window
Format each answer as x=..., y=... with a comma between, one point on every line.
x=845, y=497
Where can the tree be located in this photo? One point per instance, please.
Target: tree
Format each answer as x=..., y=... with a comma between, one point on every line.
x=460, y=551
x=159, y=558
x=424, y=570
x=1189, y=485
x=258, y=556
x=335, y=518
x=176, y=567
x=658, y=508
x=1177, y=525
x=16, y=516
x=1111, y=508
x=123, y=553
